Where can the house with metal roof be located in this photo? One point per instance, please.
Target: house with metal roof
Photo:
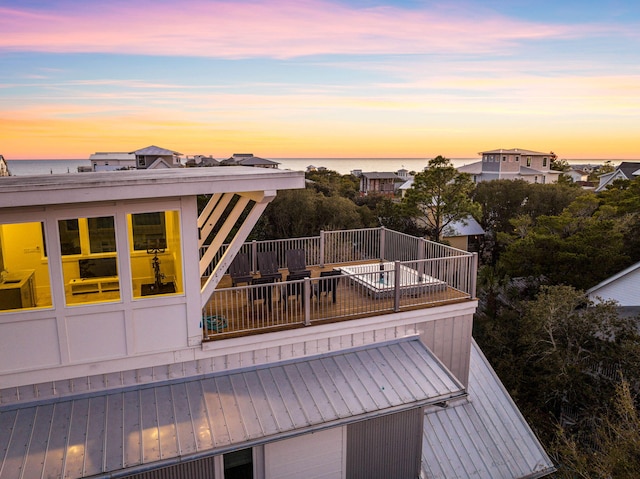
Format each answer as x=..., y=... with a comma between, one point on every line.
x=112, y=160
x=375, y=182
x=465, y=234
x=127, y=350
x=622, y=288
x=627, y=170
x=511, y=164
x=153, y=157
x=248, y=159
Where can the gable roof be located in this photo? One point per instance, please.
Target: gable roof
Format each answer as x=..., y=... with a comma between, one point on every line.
x=155, y=150
x=627, y=170
x=621, y=287
x=467, y=227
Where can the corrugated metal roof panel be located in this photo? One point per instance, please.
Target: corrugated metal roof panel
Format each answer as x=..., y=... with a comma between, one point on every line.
x=482, y=437
x=96, y=434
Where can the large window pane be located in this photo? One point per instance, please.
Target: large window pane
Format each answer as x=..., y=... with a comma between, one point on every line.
x=102, y=237
x=24, y=270
x=148, y=230
x=91, y=275
x=156, y=253
x=69, y=237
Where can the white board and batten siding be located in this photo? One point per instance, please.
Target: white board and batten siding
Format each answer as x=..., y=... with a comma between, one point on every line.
x=319, y=455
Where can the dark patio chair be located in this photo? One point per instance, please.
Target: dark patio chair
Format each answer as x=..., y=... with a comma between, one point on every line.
x=240, y=270
x=296, y=263
x=268, y=265
x=263, y=291
x=328, y=283
x=294, y=288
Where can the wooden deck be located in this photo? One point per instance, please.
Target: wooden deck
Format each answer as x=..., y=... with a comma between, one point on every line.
x=241, y=311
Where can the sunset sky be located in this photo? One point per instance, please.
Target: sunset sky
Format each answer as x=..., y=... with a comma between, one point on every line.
x=320, y=79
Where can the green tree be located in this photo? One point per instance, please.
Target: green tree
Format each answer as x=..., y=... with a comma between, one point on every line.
x=298, y=213
x=616, y=443
x=551, y=348
x=440, y=195
x=331, y=183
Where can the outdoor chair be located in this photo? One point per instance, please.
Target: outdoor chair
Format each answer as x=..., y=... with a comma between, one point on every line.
x=296, y=263
x=328, y=283
x=263, y=291
x=268, y=265
x=295, y=288
x=240, y=270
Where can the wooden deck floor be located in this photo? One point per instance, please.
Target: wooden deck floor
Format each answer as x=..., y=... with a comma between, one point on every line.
x=243, y=317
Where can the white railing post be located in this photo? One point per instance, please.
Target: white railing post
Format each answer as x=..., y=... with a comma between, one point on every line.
x=382, y=238
x=322, y=248
x=473, y=274
x=254, y=256
x=306, y=300
x=396, y=286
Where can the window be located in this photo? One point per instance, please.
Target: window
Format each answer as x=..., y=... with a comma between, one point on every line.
x=148, y=230
x=91, y=275
x=69, y=236
x=102, y=235
x=238, y=464
x=528, y=161
x=544, y=162
x=156, y=253
x=24, y=273
x=504, y=158
x=517, y=159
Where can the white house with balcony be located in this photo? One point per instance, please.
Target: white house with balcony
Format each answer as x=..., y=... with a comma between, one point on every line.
x=143, y=337
x=513, y=164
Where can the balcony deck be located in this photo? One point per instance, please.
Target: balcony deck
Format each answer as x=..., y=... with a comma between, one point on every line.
x=253, y=309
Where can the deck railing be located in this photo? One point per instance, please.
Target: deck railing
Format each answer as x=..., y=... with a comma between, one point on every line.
x=366, y=287
x=337, y=247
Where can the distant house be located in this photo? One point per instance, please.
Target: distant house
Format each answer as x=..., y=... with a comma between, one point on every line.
x=153, y=157
x=248, y=159
x=464, y=234
x=577, y=174
x=380, y=183
x=513, y=164
x=4, y=169
x=627, y=170
x=622, y=288
x=110, y=161
x=201, y=161
x=405, y=186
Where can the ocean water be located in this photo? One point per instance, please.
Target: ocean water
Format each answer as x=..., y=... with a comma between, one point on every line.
x=341, y=165
x=44, y=167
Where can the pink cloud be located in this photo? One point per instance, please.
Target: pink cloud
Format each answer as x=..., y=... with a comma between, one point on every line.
x=281, y=29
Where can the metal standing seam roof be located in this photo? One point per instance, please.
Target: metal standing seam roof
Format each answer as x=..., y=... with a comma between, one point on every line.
x=133, y=428
x=483, y=436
